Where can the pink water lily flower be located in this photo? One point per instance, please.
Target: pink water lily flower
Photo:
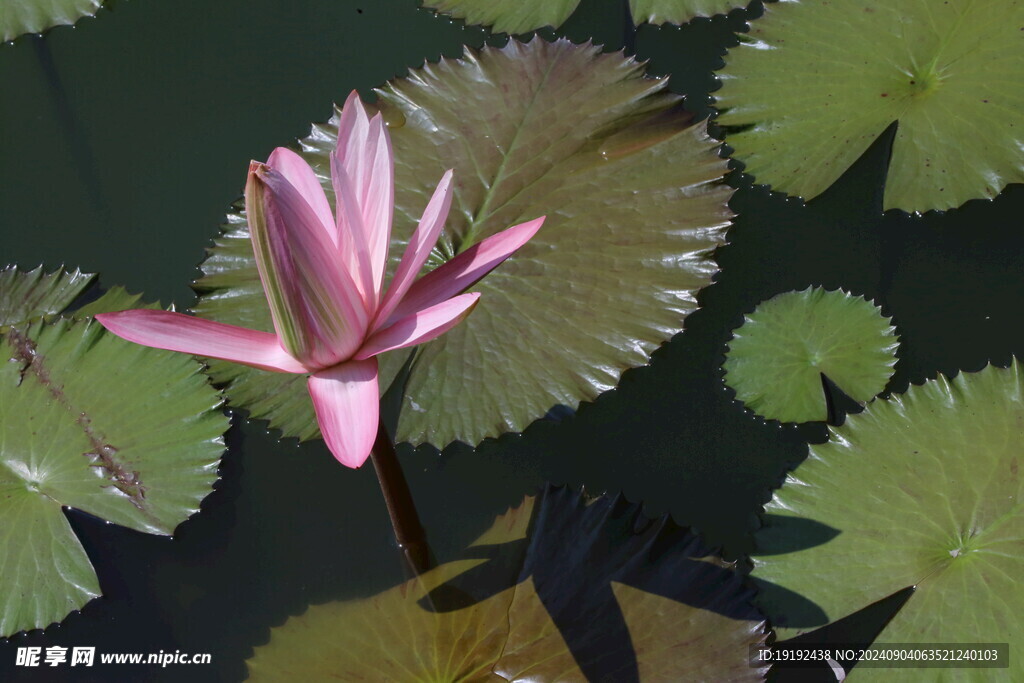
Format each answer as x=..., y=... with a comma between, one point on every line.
x=323, y=275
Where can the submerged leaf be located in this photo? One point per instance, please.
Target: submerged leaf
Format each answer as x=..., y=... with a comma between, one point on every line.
x=777, y=358
x=520, y=16
x=925, y=490
x=634, y=209
x=814, y=84
x=556, y=590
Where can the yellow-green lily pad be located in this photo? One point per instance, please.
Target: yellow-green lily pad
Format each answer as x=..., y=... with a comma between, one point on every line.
x=815, y=83
x=777, y=357
x=129, y=434
x=923, y=489
x=18, y=17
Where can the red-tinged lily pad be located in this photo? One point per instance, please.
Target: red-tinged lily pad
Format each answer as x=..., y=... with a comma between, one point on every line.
x=634, y=204
x=126, y=433
x=559, y=589
x=815, y=83
x=924, y=490
x=520, y=16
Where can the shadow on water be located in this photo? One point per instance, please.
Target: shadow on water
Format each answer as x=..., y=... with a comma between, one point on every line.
x=81, y=149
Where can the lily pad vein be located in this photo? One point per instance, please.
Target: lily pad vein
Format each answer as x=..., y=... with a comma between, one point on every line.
x=102, y=455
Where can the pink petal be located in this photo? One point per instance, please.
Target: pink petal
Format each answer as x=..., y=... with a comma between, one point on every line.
x=465, y=269
x=201, y=337
x=297, y=172
x=421, y=326
x=317, y=310
x=416, y=253
x=379, y=202
x=364, y=153
x=347, y=406
x=352, y=241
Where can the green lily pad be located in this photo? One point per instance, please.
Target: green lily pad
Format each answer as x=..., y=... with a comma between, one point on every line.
x=814, y=84
x=556, y=590
x=678, y=11
x=25, y=295
x=634, y=208
x=777, y=357
x=520, y=16
x=18, y=17
x=114, y=299
x=126, y=433
x=925, y=490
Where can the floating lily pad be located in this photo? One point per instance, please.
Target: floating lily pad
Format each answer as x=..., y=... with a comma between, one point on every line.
x=678, y=11
x=925, y=490
x=129, y=434
x=777, y=357
x=25, y=295
x=114, y=299
x=814, y=84
x=18, y=17
x=634, y=209
x=520, y=16
x=556, y=590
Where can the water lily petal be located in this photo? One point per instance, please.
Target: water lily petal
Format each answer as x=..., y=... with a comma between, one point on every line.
x=364, y=153
x=201, y=337
x=379, y=202
x=316, y=308
x=347, y=406
x=421, y=326
x=295, y=169
x=420, y=244
x=465, y=269
x=352, y=241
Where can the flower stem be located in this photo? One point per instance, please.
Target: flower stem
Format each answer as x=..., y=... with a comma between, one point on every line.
x=409, y=533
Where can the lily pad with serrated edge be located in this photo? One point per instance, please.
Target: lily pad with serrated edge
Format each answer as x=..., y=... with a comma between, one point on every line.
x=18, y=17
x=634, y=208
x=114, y=299
x=557, y=590
x=25, y=295
x=126, y=433
x=777, y=356
x=814, y=84
x=925, y=490
x=520, y=16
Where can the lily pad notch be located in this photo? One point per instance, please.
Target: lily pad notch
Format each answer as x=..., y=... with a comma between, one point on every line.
x=942, y=513
x=785, y=354
x=813, y=84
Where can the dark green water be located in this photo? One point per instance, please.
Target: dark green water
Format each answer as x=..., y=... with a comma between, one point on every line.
x=126, y=138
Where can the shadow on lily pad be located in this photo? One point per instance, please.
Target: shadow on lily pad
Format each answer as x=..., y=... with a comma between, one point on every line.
x=781, y=534
x=575, y=551
x=562, y=588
